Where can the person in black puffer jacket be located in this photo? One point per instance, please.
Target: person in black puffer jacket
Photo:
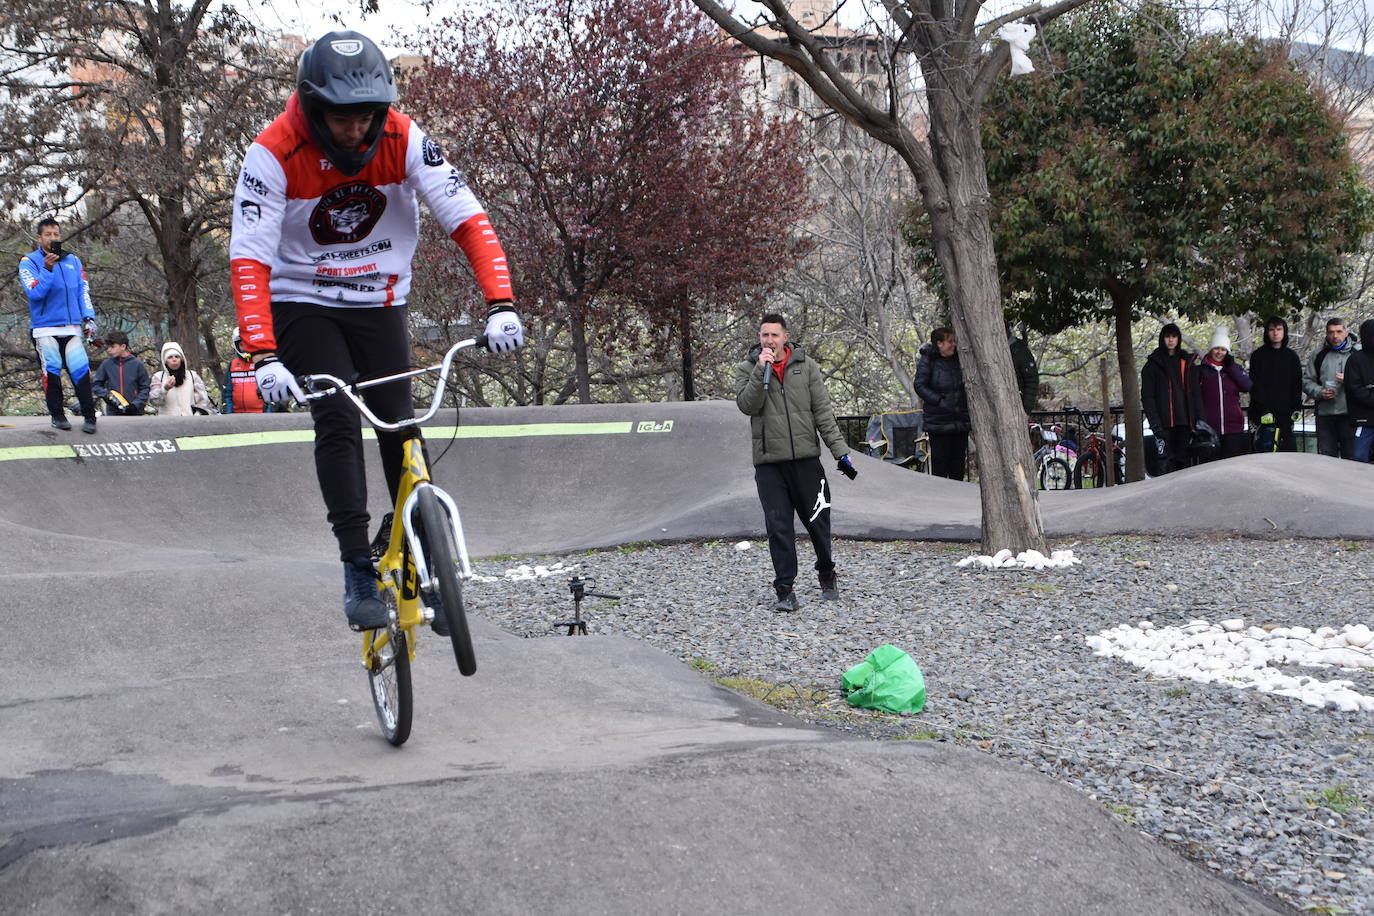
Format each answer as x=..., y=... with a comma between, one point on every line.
x=1359, y=392
x=940, y=383
x=1171, y=396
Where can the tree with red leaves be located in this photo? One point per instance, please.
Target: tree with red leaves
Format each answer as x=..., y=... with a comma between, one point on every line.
x=631, y=180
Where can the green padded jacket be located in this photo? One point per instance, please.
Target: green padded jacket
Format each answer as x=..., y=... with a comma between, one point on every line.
x=785, y=419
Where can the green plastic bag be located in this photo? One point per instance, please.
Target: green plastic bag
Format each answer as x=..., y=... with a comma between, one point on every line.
x=887, y=679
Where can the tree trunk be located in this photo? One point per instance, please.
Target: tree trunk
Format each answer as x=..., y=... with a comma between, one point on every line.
x=1130, y=388
x=183, y=314
x=964, y=249
x=689, y=392
x=582, y=370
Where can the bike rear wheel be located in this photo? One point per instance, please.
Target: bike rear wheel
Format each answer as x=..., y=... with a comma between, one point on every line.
x=389, y=676
x=446, y=592
x=1055, y=474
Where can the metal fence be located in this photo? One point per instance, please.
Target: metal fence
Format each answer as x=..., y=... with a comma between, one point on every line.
x=855, y=426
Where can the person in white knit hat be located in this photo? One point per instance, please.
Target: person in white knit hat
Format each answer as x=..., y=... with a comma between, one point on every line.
x=177, y=391
x=1222, y=380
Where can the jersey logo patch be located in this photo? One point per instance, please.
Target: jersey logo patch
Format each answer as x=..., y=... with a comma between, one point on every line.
x=346, y=213
x=429, y=151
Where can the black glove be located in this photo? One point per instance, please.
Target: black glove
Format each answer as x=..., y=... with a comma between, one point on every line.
x=846, y=467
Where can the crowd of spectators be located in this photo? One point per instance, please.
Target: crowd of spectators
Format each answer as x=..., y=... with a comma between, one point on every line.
x=1190, y=400
x=1199, y=407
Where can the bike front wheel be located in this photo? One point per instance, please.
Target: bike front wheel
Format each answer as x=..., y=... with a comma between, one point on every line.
x=446, y=591
x=1055, y=474
x=1089, y=471
x=388, y=673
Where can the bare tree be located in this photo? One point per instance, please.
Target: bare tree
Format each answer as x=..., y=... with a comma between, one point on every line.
x=959, y=59
x=116, y=107
x=859, y=286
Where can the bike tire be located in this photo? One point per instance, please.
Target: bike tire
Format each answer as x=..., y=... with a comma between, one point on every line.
x=1088, y=471
x=1055, y=474
x=441, y=556
x=392, y=697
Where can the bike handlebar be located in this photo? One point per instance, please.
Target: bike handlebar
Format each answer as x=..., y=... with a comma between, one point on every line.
x=322, y=385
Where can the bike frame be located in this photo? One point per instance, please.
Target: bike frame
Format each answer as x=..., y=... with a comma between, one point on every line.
x=404, y=574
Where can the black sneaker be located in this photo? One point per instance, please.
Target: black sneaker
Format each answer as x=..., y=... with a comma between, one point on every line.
x=440, y=622
x=362, y=602
x=61, y=423
x=787, y=602
x=88, y=425
x=830, y=588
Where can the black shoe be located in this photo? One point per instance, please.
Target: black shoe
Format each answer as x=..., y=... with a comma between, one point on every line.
x=88, y=425
x=61, y=423
x=830, y=588
x=440, y=622
x=787, y=602
x=362, y=603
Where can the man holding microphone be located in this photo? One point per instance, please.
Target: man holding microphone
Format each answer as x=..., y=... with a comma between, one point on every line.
x=781, y=391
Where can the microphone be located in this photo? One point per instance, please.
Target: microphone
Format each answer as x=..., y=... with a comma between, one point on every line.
x=767, y=374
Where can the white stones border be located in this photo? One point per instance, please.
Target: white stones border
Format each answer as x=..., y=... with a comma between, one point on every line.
x=1247, y=657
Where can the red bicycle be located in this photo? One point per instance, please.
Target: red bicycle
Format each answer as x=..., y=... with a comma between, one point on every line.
x=1094, y=453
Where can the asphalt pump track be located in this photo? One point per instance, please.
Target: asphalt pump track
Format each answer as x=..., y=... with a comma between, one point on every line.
x=188, y=729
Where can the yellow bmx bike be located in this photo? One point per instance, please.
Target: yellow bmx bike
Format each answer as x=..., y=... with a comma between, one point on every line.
x=425, y=557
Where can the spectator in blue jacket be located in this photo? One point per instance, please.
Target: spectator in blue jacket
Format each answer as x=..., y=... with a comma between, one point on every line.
x=122, y=380
x=59, y=310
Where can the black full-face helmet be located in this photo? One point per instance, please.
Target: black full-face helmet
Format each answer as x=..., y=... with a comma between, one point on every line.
x=345, y=72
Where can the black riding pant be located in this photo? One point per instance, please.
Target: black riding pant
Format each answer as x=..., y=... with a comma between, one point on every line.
x=794, y=487
x=352, y=344
x=948, y=454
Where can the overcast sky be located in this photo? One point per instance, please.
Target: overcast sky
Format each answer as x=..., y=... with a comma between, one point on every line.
x=305, y=18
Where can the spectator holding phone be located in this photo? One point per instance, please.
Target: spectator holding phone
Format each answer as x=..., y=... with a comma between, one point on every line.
x=178, y=391
x=60, y=309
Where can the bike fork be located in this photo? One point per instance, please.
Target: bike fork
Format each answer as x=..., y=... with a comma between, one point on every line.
x=422, y=572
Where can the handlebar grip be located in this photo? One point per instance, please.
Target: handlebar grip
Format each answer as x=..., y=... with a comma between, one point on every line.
x=312, y=385
x=480, y=341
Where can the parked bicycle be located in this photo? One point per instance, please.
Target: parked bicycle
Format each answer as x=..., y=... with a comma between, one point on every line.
x=425, y=557
x=1054, y=461
x=1096, y=453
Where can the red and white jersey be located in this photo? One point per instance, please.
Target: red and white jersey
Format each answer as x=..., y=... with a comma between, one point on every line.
x=305, y=232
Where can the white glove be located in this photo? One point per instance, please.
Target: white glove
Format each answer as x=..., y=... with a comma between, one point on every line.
x=276, y=383
x=505, y=333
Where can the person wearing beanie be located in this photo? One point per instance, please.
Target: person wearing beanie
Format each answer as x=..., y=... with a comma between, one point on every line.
x=1324, y=382
x=1222, y=380
x=1276, y=395
x=176, y=390
x=1171, y=397
x=1359, y=393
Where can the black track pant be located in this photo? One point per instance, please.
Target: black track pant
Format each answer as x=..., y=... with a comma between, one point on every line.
x=349, y=343
x=787, y=487
x=948, y=454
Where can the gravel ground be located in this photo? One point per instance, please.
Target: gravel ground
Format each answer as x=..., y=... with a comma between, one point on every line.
x=1259, y=788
